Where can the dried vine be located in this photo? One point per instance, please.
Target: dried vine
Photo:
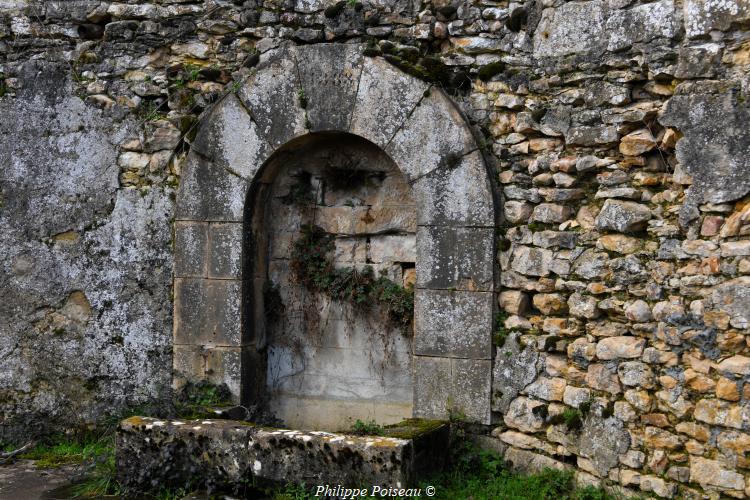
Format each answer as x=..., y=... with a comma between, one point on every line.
x=314, y=268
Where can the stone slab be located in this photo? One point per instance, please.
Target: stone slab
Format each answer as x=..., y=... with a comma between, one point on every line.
x=225, y=250
x=458, y=194
x=207, y=312
x=572, y=28
x=329, y=77
x=385, y=98
x=230, y=453
x=455, y=258
x=191, y=247
x=210, y=192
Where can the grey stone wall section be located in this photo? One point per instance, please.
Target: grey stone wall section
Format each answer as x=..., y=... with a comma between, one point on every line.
x=322, y=86
x=85, y=265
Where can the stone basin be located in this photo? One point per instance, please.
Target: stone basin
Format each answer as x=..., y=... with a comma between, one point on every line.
x=226, y=453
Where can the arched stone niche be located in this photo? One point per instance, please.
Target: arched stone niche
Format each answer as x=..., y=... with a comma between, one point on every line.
x=295, y=96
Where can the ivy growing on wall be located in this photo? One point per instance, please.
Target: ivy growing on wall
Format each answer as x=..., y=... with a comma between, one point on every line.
x=313, y=267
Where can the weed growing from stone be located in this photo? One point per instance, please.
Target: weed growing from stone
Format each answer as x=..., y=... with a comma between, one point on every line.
x=314, y=268
x=369, y=428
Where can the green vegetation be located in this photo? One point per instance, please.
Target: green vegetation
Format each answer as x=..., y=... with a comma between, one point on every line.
x=314, y=269
x=498, y=338
x=369, y=428
x=487, y=71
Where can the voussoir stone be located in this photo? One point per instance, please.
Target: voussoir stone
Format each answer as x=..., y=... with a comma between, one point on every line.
x=623, y=216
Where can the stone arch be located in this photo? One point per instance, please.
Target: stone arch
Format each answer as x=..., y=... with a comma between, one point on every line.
x=299, y=90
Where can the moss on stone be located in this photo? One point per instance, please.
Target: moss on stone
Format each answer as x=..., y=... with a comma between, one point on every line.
x=412, y=428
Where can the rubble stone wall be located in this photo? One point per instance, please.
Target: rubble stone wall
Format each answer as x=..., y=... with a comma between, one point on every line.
x=618, y=131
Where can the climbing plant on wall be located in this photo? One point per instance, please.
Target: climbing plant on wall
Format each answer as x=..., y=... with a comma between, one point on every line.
x=313, y=267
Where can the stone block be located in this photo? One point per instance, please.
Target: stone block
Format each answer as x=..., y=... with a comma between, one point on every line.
x=455, y=258
x=191, y=249
x=526, y=415
x=329, y=76
x=432, y=386
x=531, y=261
x=704, y=16
x=391, y=248
x=458, y=194
x=435, y=135
x=620, y=347
x=231, y=139
x=210, y=192
x=225, y=250
x=573, y=28
x=642, y=23
x=470, y=385
x=711, y=475
x=623, y=216
x=272, y=94
x=385, y=98
x=453, y=323
x=207, y=312
x=224, y=366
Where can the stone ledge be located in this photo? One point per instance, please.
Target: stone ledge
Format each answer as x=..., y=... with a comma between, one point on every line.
x=153, y=452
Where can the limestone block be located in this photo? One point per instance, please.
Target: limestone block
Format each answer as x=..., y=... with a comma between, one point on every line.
x=638, y=142
x=210, y=192
x=461, y=385
x=224, y=366
x=455, y=258
x=207, y=312
x=601, y=378
x=711, y=475
x=459, y=194
x=385, y=98
x=548, y=389
x=225, y=250
x=231, y=139
x=550, y=303
x=620, y=347
x=514, y=302
x=591, y=136
x=572, y=28
x=453, y=323
x=531, y=261
x=551, y=213
x=636, y=374
x=574, y=396
x=703, y=16
x=517, y=212
x=716, y=412
x=329, y=77
x=272, y=94
x=583, y=306
x=514, y=369
x=602, y=441
x=191, y=249
x=391, y=248
x=733, y=297
x=435, y=135
x=642, y=23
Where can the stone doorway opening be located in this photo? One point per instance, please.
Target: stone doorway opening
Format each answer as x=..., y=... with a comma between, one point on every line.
x=334, y=232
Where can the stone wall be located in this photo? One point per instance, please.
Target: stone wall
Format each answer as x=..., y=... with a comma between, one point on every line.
x=619, y=133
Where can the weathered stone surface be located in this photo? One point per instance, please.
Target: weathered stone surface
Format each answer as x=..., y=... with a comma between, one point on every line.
x=224, y=250
x=710, y=114
x=455, y=258
x=603, y=440
x=531, y=261
x=517, y=212
x=711, y=475
x=228, y=453
x=638, y=142
x=583, y=306
x=210, y=192
x=458, y=194
x=385, y=98
x=636, y=374
x=439, y=130
x=716, y=412
x=191, y=238
x=548, y=389
x=329, y=77
x=623, y=216
x=514, y=369
x=551, y=213
x=231, y=140
x=271, y=93
x=702, y=16
x=575, y=27
x=642, y=23
x=207, y=312
x=526, y=415
x=733, y=297
x=601, y=378
x=620, y=347
x=453, y=323
x=514, y=302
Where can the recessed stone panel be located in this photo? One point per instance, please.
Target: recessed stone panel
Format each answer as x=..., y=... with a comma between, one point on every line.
x=210, y=192
x=455, y=258
x=435, y=135
x=329, y=75
x=453, y=324
x=231, y=139
x=385, y=98
x=271, y=94
x=191, y=248
x=457, y=194
x=225, y=250
x=207, y=312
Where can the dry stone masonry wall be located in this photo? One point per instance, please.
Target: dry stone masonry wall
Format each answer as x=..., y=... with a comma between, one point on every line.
x=618, y=136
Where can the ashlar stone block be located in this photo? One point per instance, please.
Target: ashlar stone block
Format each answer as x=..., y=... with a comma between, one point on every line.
x=455, y=258
x=329, y=77
x=209, y=192
x=453, y=324
x=225, y=250
x=232, y=140
x=191, y=249
x=272, y=95
x=456, y=195
x=435, y=135
x=207, y=312
x=385, y=98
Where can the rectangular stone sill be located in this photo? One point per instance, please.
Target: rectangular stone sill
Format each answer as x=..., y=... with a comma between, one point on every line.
x=229, y=452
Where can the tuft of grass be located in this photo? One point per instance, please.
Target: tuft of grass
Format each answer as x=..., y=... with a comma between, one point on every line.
x=369, y=428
